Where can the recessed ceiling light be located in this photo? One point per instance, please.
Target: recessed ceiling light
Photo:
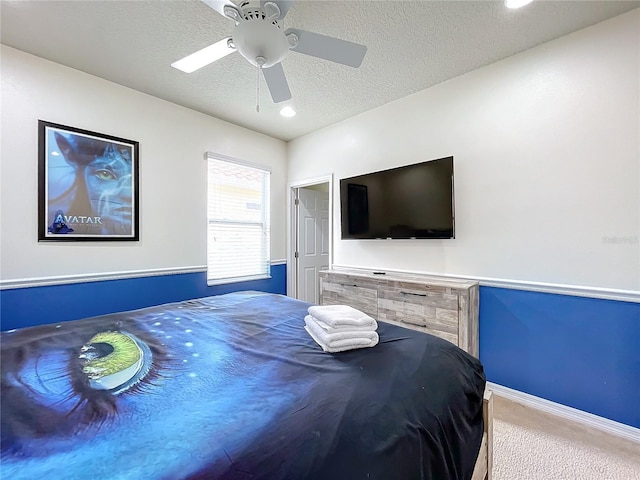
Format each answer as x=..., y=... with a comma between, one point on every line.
x=516, y=3
x=287, y=111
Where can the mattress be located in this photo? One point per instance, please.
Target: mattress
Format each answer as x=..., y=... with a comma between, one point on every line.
x=233, y=387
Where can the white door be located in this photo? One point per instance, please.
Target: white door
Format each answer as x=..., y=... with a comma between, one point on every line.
x=312, y=241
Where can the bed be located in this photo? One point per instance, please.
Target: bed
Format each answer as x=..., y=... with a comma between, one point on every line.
x=232, y=387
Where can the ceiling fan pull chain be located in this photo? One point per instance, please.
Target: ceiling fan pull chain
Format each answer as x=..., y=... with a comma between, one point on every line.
x=260, y=61
x=258, y=89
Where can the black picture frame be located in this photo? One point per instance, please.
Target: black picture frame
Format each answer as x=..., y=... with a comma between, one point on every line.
x=88, y=185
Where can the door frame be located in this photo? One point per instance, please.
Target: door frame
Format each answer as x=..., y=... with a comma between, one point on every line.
x=292, y=228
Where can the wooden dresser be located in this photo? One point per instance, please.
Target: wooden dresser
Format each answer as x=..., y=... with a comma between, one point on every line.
x=442, y=306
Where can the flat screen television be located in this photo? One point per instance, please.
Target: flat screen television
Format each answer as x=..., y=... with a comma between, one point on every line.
x=412, y=201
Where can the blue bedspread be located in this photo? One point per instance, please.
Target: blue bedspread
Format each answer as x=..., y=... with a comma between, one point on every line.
x=232, y=387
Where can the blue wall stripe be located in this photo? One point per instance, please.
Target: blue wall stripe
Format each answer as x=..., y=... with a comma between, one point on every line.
x=576, y=351
x=23, y=307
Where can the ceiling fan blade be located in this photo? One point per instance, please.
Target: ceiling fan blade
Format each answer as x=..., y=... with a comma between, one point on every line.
x=204, y=57
x=329, y=48
x=277, y=83
x=218, y=5
x=283, y=5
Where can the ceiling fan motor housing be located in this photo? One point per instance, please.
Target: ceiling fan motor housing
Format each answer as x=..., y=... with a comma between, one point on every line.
x=260, y=39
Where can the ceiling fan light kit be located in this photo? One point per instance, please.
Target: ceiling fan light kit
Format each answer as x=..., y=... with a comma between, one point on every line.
x=256, y=37
x=259, y=38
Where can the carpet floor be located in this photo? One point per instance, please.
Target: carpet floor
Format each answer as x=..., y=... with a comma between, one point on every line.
x=532, y=445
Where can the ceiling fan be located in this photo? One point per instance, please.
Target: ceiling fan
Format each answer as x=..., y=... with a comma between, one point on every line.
x=258, y=36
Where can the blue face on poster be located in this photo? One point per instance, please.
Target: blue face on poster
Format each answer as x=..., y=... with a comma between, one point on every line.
x=90, y=183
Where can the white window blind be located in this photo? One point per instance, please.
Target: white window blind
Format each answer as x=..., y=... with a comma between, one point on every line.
x=238, y=246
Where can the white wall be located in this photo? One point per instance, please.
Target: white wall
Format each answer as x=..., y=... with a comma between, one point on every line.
x=173, y=173
x=546, y=147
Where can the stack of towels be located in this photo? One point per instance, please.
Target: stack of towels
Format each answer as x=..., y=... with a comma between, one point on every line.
x=337, y=328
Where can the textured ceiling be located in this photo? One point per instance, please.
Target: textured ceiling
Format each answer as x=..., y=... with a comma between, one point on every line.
x=412, y=45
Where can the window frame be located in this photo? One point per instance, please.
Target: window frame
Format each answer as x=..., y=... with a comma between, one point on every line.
x=266, y=219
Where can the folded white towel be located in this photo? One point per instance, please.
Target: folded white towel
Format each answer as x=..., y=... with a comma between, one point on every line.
x=338, y=341
x=371, y=326
x=343, y=345
x=341, y=315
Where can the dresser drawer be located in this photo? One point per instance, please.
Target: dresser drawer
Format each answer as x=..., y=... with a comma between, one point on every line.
x=362, y=297
x=434, y=312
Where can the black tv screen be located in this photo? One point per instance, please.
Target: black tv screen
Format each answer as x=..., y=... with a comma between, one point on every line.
x=413, y=201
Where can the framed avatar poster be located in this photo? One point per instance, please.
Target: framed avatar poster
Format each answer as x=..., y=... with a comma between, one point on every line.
x=87, y=185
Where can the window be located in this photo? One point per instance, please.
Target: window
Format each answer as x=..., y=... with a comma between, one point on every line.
x=238, y=246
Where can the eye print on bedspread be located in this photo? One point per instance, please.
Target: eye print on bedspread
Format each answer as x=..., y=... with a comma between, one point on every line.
x=115, y=361
x=60, y=383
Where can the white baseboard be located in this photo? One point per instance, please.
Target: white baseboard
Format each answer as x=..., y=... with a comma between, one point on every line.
x=587, y=419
